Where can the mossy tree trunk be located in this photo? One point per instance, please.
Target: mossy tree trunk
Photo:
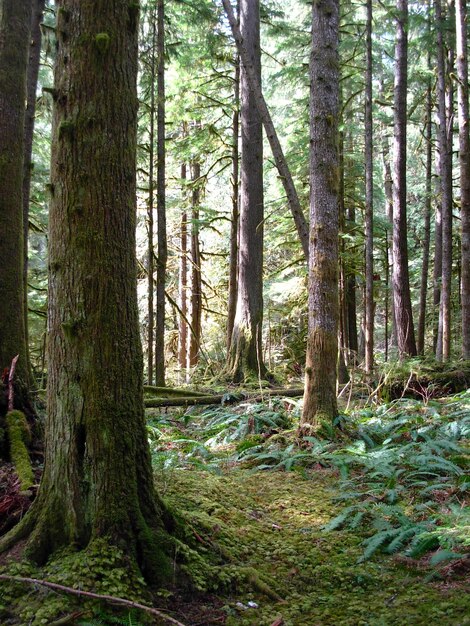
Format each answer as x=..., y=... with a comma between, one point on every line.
x=15, y=28
x=97, y=481
x=401, y=278
x=320, y=370
x=245, y=354
x=196, y=274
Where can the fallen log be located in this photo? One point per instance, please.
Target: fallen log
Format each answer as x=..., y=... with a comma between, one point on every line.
x=226, y=398
x=165, y=392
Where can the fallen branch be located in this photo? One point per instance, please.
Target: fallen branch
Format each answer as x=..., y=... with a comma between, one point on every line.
x=94, y=596
x=172, y=391
x=11, y=387
x=227, y=398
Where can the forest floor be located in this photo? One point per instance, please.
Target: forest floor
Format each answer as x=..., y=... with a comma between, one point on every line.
x=367, y=523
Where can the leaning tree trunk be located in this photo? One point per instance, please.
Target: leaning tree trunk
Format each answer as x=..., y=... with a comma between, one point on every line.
x=246, y=356
x=97, y=481
x=320, y=370
x=401, y=280
x=253, y=79
x=161, y=203
x=369, y=209
x=15, y=28
x=464, y=153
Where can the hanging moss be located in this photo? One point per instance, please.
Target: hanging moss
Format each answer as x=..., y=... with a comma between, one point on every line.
x=102, y=41
x=19, y=437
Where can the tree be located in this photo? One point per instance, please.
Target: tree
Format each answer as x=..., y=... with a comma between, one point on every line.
x=15, y=28
x=97, y=482
x=196, y=274
x=464, y=155
x=320, y=370
x=401, y=280
x=369, y=210
x=161, y=202
x=246, y=356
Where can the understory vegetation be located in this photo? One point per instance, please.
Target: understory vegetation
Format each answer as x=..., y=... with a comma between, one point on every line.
x=367, y=522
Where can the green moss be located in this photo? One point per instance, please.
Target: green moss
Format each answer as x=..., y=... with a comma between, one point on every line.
x=102, y=41
x=66, y=129
x=19, y=437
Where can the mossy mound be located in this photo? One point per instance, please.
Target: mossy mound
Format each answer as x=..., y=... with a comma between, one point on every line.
x=19, y=437
x=268, y=528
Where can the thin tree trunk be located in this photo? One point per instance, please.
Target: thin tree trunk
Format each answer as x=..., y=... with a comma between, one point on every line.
x=245, y=355
x=445, y=160
x=196, y=282
x=464, y=155
x=161, y=202
x=320, y=370
x=427, y=222
x=401, y=281
x=388, y=188
x=32, y=83
x=369, y=209
x=254, y=80
x=234, y=225
x=151, y=251
x=15, y=28
x=183, y=280
x=351, y=300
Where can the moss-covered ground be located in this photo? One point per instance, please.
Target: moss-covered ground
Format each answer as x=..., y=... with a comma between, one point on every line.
x=252, y=503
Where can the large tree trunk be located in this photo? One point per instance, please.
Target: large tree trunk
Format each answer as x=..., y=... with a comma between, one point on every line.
x=427, y=223
x=97, y=481
x=245, y=356
x=445, y=162
x=161, y=203
x=464, y=153
x=369, y=209
x=32, y=83
x=234, y=224
x=151, y=251
x=253, y=81
x=196, y=275
x=320, y=370
x=401, y=281
x=15, y=28
x=183, y=280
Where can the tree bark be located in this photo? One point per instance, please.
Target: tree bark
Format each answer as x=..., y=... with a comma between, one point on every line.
x=320, y=370
x=427, y=222
x=464, y=156
x=196, y=281
x=97, y=481
x=234, y=224
x=254, y=81
x=161, y=202
x=246, y=356
x=445, y=161
x=151, y=251
x=183, y=280
x=32, y=83
x=15, y=29
x=401, y=281
x=369, y=208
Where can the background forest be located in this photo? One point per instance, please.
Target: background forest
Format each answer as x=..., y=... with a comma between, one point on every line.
x=303, y=290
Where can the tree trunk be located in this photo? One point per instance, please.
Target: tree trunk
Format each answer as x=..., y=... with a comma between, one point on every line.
x=151, y=251
x=253, y=81
x=15, y=28
x=320, y=370
x=401, y=281
x=351, y=300
x=388, y=189
x=464, y=155
x=161, y=202
x=245, y=356
x=369, y=209
x=234, y=224
x=445, y=161
x=427, y=222
x=183, y=280
x=32, y=83
x=196, y=282
x=97, y=481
